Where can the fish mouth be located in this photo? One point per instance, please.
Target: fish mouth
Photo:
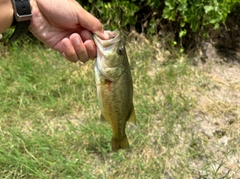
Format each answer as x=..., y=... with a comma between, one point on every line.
x=104, y=49
x=114, y=37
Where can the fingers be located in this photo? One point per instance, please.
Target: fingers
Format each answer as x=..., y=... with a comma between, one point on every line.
x=68, y=50
x=74, y=49
x=86, y=35
x=91, y=48
x=80, y=50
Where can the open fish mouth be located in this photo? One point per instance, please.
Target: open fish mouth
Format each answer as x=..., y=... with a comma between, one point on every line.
x=114, y=37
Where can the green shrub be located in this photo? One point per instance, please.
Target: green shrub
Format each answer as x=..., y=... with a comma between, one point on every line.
x=114, y=14
x=196, y=13
x=184, y=18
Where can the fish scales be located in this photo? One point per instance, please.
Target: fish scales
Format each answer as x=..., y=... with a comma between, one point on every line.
x=114, y=87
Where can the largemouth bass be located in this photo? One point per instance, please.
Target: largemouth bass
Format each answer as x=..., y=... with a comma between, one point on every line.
x=114, y=87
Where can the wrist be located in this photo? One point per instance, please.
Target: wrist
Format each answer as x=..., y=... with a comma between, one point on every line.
x=7, y=12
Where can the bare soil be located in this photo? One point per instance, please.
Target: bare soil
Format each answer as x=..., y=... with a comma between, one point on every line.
x=217, y=115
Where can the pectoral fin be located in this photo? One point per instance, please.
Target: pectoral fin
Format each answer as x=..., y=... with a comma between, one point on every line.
x=132, y=117
x=102, y=118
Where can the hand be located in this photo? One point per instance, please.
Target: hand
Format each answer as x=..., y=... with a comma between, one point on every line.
x=66, y=27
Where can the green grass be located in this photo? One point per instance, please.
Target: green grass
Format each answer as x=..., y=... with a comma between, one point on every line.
x=50, y=127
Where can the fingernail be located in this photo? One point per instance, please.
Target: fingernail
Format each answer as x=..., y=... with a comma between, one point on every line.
x=91, y=47
x=76, y=41
x=66, y=44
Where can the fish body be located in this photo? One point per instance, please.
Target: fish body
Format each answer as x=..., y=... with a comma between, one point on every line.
x=114, y=87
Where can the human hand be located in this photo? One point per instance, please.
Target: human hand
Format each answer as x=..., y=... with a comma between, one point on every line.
x=66, y=27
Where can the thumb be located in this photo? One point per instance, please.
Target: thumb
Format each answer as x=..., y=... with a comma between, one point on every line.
x=91, y=23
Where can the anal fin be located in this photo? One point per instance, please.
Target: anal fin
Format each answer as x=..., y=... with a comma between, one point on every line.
x=102, y=118
x=132, y=117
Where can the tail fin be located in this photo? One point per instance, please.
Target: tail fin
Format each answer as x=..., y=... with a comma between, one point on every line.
x=120, y=144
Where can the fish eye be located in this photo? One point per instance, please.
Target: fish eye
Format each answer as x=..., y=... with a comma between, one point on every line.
x=120, y=50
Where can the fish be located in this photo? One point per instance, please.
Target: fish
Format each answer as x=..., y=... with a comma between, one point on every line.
x=114, y=86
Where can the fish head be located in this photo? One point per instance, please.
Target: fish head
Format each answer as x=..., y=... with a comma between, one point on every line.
x=111, y=55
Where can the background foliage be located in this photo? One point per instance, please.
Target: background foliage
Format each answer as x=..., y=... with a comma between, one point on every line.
x=195, y=13
x=186, y=18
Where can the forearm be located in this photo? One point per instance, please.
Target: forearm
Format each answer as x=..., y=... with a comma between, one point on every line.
x=6, y=17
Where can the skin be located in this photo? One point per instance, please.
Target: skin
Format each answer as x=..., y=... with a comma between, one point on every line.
x=6, y=17
x=62, y=25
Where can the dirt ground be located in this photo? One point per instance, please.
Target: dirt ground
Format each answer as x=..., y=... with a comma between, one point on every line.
x=218, y=112
x=217, y=116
